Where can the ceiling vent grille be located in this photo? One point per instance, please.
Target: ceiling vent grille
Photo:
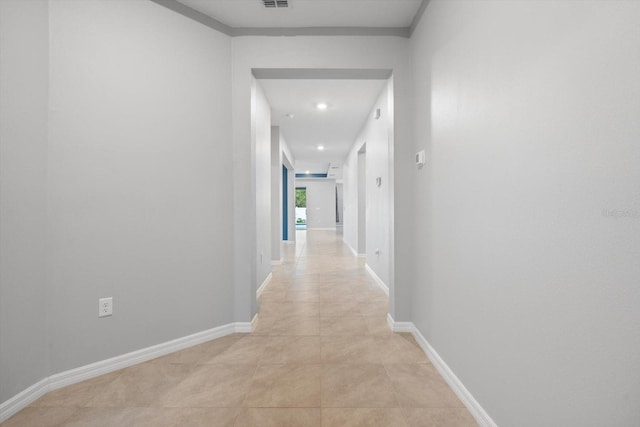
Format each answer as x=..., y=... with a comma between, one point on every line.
x=275, y=4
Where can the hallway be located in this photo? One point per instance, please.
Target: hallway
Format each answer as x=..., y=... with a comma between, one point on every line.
x=321, y=355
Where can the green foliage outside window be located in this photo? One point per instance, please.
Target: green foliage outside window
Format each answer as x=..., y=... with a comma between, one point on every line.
x=301, y=197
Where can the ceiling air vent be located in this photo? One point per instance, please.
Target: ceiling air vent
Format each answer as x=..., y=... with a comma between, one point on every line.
x=275, y=4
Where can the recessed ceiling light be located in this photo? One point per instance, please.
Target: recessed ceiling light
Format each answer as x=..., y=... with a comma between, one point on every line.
x=321, y=106
x=307, y=172
x=320, y=147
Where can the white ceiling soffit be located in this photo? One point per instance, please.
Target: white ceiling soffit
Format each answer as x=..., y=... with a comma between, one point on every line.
x=304, y=17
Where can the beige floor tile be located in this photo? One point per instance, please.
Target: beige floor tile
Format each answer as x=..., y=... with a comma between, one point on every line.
x=272, y=292
x=340, y=308
x=279, y=417
x=141, y=385
x=40, y=417
x=270, y=308
x=351, y=325
x=264, y=324
x=111, y=417
x=421, y=386
x=349, y=349
x=245, y=351
x=296, y=325
x=378, y=325
x=302, y=295
x=357, y=386
x=439, y=417
x=153, y=417
x=292, y=349
x=285, y=386
x=363, y=417
x=76, y=395
x=332, y=292
x=396, y=349
x=211, y=386
x=198, y=353
x=373, y=308
x=196, y=417
x=292, y=308
x=368, y=293
x=305, y=283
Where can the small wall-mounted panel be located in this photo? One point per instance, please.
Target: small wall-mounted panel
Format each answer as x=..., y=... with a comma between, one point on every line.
x=420, y=158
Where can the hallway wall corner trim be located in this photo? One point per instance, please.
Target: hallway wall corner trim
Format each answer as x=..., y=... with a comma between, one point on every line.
x=452, y=380
x=377, y=279
x=73, y=376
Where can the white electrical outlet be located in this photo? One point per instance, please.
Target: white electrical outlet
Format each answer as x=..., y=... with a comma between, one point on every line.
x=105, y=307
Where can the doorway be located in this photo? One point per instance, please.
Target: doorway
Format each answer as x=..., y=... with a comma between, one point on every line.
x=301, y=208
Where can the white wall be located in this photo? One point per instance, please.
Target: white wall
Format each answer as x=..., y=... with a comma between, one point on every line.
x=321, y=202
x=276, y=195
x=281, y=155
x=524, y=285
x=340, y=202
x=262, y=135
x=375, y=133
x=24, y=68
x=320, y=52
x=361, y=188
x=350, y=202
x=140, y=201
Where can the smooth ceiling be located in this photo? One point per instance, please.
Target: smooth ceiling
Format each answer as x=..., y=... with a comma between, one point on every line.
x=349, y=102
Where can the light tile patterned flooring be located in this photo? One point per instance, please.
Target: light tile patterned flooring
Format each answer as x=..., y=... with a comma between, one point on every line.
x=321, y=355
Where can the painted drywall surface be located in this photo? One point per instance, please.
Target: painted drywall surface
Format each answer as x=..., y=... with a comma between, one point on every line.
x=321, y=52
x=375, y=133
x=286, y=155
x=140, y=201
x=321, y=202
x=361, y=188
x=276, y=194
x=23, y=149
x=281, y=155
x=262, y=143
x=368, y=160
x=340, y=203
x=350, y=201
x=527, y=227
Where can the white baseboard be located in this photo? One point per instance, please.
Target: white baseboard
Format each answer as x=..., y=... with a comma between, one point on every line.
x=353, y=251
x=72, y=376
x=254, y=322
x=23, y=399
x=243, y=327
x=467, y=399
x=262, y=287
x=399, y=326
x=377, y=279
x=276, y=262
